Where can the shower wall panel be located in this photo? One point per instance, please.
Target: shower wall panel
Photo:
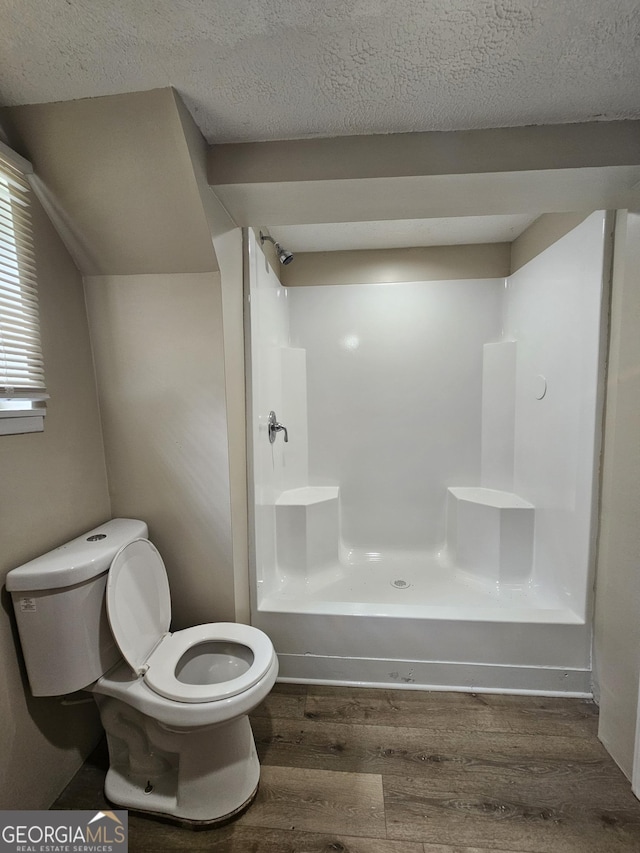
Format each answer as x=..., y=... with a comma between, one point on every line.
x=269, y=334
x=552, y=309
x=498, y=414
x=394, y=375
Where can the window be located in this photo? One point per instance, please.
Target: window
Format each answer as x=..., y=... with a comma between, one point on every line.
x=22, y=386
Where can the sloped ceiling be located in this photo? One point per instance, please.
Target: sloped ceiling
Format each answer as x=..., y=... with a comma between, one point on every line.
x=276, y=69
x=116, y=175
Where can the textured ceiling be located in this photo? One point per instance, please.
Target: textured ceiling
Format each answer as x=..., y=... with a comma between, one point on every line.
x=401, y=233
x=277, y=69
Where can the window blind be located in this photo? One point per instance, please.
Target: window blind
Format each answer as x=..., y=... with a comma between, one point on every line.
x=22, y=382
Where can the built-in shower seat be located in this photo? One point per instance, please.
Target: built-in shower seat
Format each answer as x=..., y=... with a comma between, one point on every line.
x=490, y=533
x=307, y=528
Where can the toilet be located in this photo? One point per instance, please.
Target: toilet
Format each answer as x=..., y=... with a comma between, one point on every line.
x=94, y=615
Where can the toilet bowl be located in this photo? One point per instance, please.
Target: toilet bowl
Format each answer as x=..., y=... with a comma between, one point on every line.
x=174, y=705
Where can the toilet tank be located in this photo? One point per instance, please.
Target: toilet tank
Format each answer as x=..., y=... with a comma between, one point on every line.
x=60, y=607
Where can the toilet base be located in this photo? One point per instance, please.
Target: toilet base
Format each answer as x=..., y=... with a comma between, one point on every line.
x=196, y=825
x=198, y=777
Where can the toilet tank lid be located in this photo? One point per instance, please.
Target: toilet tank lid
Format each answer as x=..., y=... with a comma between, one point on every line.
x=85, y=557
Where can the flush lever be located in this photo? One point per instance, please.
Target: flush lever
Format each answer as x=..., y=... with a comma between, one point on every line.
x=275, y=428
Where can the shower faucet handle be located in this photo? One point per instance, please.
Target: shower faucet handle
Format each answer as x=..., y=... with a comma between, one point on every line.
x=275, y=428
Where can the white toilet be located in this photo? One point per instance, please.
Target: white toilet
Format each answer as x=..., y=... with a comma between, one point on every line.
x=94, y=614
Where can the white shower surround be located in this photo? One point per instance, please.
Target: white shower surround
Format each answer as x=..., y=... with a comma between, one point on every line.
x=344, y=621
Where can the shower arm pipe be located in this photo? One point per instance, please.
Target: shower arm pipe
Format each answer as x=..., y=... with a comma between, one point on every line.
x=284, y=255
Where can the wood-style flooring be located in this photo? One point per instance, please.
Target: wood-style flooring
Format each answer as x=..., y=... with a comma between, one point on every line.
x=353, y=770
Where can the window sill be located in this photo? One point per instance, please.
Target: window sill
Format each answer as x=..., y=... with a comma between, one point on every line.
x=17, y=423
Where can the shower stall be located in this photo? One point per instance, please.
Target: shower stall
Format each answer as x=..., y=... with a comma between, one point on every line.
x=430, y=520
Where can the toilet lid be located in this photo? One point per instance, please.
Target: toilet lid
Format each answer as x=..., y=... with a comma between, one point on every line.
x=138, y=601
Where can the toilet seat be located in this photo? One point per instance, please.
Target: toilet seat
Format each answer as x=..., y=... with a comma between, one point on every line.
x=161, y=674
x=139, y=611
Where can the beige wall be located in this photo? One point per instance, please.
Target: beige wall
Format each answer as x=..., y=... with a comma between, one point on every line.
x=617, y=621
x=228, y=248
x=432, y=263
x=54, y=487
x=503, y=149
x=124, y=178
x=117, y=180
x=160, y=372
x=541, y=234
x=227, y=243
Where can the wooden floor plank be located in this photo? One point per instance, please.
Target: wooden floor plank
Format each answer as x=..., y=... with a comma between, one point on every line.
x=240, y=839
x=588, y=706
x=414, y=751
x=297, y=798
x=151, y=836
x=494, y=811
x=236, y=838
x=285, y=700
x=248, y=840
x=452, y=711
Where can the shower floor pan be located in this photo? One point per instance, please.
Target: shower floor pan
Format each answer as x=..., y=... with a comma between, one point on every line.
x=408, y=620
x=413, y=585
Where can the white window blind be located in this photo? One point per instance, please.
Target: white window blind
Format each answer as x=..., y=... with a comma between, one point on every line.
x=22, y=384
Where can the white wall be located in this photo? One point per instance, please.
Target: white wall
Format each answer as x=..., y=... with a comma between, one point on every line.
x=498, y=414
x=394, y=400
x=617, y=622
x=552, y=310
x=269, y=333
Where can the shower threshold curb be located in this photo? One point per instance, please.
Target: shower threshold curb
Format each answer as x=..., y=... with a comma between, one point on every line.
x=435, y=675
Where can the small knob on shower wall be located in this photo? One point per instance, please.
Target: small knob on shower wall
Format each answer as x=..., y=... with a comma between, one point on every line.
x=275, y=428
x=539, y=386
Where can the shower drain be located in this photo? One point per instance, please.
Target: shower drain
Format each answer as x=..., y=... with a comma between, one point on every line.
x=400, y=584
